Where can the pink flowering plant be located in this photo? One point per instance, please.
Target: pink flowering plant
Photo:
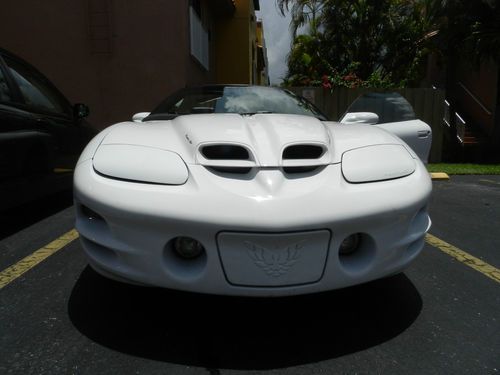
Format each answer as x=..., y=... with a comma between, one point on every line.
x=348, y=78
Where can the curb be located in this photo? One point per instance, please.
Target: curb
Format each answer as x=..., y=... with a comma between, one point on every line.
x=439, y=176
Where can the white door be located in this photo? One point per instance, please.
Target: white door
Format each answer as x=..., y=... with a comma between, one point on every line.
x=417, y=134
x=392, y=112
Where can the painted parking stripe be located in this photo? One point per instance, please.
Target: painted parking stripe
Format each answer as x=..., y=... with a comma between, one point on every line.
x=13, y=272
x=490, y=182
x=16, y=270
x=464, y=257
x=62, y=170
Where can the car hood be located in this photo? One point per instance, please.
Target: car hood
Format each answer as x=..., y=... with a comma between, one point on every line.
x=266, y=137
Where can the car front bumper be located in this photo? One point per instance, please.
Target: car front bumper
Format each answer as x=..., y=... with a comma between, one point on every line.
x=263, y=236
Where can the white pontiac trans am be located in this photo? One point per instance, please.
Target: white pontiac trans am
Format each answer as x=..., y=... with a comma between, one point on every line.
x=250, y=191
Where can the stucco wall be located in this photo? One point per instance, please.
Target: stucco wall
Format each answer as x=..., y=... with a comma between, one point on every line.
x=148, y=59
x=235, y=38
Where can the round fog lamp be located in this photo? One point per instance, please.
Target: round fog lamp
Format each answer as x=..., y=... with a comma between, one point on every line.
x=350, y=244
x=187, y=247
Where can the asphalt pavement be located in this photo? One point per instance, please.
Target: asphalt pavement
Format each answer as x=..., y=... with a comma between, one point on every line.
x=440, y=317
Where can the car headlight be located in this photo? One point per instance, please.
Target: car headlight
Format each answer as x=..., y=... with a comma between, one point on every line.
x=377, y=163
x=140, y=164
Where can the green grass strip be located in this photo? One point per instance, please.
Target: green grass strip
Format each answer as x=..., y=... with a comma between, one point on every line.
x=464, y=168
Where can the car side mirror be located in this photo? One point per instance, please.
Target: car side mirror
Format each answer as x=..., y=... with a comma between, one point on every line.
x=80, y=110
x=138, y=117
x=368, y=118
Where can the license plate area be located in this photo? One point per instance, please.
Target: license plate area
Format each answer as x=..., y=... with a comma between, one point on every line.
x=273, y=259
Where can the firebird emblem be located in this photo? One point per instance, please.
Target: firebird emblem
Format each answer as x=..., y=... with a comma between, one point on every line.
x=275, y=262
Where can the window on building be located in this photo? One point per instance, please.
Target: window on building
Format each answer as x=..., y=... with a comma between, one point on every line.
x=99, y=16
x=199, y=37
x=196, y=4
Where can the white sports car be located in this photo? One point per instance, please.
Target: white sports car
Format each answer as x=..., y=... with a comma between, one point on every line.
x=250, y=191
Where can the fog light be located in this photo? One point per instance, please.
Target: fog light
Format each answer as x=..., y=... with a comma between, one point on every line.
x=350, y=244
x=188, y=247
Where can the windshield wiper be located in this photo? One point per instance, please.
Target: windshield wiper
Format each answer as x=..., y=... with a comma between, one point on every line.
x=255, y=113
x=161, y=116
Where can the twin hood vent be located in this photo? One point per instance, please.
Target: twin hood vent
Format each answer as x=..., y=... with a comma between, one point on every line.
x=303, y=152
x=225, y=152
x=233, y=158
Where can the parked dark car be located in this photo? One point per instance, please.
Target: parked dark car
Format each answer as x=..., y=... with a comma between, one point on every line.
x=41, y=133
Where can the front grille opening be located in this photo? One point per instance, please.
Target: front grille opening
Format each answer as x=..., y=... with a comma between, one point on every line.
x=233, y=170
x=303, y=152
x=300, y=169
x=225, y=152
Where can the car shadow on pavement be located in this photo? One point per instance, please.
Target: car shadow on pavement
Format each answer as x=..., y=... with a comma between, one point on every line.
x=241, y=333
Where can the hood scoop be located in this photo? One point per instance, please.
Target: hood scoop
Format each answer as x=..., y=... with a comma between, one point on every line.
x=225, y=152
x=232, y=143
x=226, y=158
x=304, y=158
x=299, y=151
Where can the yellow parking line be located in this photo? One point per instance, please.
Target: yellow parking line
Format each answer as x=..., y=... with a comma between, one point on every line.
x=464, y=257
x=490, y=182
x=16, y=270
x=13, y=272
x=62, y=170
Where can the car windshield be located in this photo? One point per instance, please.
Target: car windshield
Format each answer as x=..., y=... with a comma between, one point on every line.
x=245, y=100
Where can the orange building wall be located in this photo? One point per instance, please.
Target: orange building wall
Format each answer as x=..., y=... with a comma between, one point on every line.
x=235, y=38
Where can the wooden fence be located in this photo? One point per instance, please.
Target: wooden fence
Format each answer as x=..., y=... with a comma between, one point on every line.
x=428, y=105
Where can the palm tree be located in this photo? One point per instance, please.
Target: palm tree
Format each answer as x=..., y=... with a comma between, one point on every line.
x=303, y=12
x=388, y=37
x=484, y=39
